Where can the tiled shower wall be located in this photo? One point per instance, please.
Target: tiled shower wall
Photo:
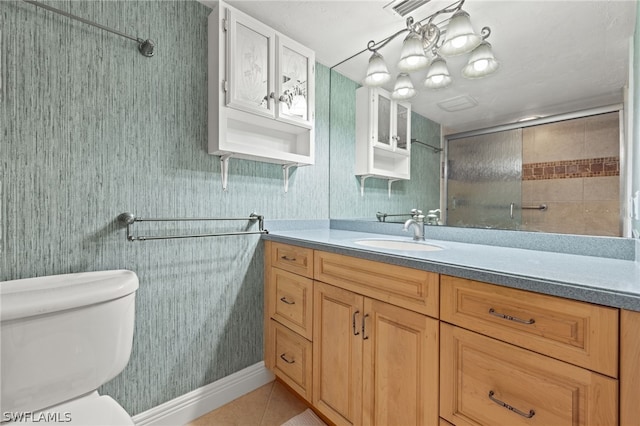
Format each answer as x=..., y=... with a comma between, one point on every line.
x=91, y=129
x=573, y=167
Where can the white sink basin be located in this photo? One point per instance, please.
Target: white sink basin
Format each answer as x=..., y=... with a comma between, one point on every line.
x=399, y=245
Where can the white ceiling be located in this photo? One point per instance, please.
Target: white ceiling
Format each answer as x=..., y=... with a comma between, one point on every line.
x=555, y=56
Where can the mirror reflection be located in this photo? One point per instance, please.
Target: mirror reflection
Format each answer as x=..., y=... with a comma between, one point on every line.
x=470, y=155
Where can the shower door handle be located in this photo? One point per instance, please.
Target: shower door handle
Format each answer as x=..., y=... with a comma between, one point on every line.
x=511, y=210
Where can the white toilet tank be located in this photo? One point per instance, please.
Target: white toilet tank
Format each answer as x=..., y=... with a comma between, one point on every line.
x=63, y=336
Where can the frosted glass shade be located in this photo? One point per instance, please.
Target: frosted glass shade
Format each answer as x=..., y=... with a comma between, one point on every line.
x=403, y=88
x=377, y=71
x=460, y=37
x=438, y=76
x=481, y=62
x=412, y=57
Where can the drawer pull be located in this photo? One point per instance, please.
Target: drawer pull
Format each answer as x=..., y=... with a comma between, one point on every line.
x=355, y=330
x=287, y=258
x=510, y=318
x=528, y=415
x=364, y=322
x=284, y=299
x=284, y=358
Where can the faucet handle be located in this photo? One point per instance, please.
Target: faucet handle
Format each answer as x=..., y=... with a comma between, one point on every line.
x=415, y=212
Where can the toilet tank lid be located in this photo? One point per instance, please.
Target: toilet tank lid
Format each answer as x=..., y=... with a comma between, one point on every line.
x=42, y=295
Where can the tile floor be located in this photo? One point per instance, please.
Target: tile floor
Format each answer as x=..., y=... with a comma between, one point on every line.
x=269, y=405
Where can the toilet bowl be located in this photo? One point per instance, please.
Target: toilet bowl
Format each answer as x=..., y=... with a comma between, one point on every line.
x=64, y=336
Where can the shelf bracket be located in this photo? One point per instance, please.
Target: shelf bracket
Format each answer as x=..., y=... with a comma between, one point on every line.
x=389, y=185
x=362, y=179
x=285, y=173
x=224, y=169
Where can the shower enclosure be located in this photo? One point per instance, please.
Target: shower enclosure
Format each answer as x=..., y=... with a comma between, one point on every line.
x=484, y=180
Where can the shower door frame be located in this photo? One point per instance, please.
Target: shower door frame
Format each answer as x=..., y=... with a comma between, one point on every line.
x=625, y=187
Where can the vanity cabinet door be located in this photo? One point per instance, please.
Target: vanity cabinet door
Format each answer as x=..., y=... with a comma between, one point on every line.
x=576, y=332
x=337, y=354
x=250, y=64
x=484, y=381
x=373, y=363
x=291, y=358
x=400, y=366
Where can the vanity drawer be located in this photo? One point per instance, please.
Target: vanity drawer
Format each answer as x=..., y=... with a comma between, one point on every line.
x=405, y=287
x=291, y=301
x=292, y=359
x=294, y=259
x=576, y=332
x=487, y=382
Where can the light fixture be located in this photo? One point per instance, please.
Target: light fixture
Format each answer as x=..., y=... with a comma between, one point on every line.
x=438, y=76
x=403, y=89
x=460, y=37
x=481, y=62
x=412, y=57
x=377, y=72
x=426, y=39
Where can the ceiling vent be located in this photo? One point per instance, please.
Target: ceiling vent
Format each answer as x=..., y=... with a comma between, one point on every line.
x=402, y=8
x=458, y=103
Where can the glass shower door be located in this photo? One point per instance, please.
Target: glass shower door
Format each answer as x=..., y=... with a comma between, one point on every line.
x=484, y=180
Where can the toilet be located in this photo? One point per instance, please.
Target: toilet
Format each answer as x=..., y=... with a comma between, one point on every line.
x=64, y=336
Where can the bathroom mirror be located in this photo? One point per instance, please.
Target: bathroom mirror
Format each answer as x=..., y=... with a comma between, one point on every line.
x=556, y=57
x=545, y=73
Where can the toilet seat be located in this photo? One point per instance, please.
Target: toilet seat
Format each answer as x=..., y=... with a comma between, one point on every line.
x=90, y=410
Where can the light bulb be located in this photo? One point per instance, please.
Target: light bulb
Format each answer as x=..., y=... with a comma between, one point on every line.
x=437, y=78
x=458, y=42
x=480, y=65
x=378, y=76
x=403, y=91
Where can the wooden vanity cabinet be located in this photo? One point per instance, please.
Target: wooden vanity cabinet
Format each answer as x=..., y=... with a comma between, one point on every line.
x=374, y=363
x=374, y=356
x=368, y=343
x=288, y=315
x=513, y=357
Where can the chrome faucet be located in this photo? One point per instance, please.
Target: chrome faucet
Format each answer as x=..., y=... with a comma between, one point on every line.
x=417, y=222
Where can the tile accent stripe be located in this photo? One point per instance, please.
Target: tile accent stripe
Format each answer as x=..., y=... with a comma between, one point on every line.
x=590, y=167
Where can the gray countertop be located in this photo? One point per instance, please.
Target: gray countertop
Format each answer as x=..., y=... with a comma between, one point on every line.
x=605, y=281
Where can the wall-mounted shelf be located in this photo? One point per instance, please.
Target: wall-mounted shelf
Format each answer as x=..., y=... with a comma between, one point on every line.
x=261, y=94
x=383, y=137
x=365, y=177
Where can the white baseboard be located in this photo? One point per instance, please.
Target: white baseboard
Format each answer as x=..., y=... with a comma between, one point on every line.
x=190, y=406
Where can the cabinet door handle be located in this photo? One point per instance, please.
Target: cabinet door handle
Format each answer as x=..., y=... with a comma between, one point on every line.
x=528, y=415
x=353, y=324
x=510, y=318
x=284, y=358
x=284, y=299
x=364, y=323
x=288, y=259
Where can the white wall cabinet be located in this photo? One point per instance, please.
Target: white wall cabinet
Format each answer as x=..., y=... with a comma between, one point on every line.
x=383, y=136
x=261, y=93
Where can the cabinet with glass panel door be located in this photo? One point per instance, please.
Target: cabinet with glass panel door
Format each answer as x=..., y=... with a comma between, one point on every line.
x=261, y=91
x=383, y=135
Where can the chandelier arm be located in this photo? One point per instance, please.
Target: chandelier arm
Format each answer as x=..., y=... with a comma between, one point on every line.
x=374, y=46
x=485, y=32
x=453, y=7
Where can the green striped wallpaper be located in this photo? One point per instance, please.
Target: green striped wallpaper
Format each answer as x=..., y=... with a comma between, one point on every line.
x=91, y=129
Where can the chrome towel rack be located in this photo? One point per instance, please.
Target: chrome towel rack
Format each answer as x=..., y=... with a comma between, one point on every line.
x=145, y=47
x=129, y=220
x=382, y=217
